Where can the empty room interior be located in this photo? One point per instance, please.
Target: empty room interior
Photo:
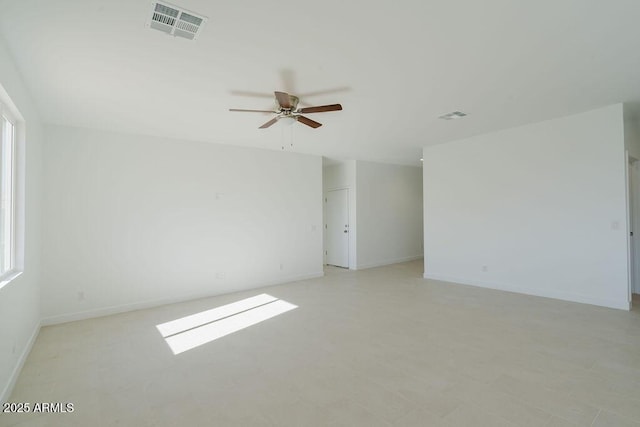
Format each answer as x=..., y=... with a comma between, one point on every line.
x=258, y=213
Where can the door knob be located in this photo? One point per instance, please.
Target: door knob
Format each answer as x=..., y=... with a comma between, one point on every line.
x=346, y=231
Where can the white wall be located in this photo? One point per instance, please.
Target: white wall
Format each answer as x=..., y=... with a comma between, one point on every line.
x=542, y=206
x=339, y=176
x=389, y=213
x=133, y=221
x=19, y=299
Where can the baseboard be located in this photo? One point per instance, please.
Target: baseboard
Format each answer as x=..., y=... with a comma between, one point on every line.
x=583, y=299
x=123, y=308
x=8, y=389
x=290, y=279
x=388, y=262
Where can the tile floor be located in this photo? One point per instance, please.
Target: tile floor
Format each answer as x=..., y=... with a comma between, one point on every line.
x=375, y=347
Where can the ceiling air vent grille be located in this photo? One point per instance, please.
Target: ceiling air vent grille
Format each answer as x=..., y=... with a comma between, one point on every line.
x=175, y=21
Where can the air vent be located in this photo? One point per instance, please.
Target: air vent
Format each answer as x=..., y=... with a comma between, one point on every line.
x=452, y=116
x=175, y=21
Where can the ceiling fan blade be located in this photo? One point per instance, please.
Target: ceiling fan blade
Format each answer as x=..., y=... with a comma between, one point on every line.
x=283, y=99
x=252, y=111
x=269, y=123
x=309, y=122
x=321, y=109
x=251, y=94
x=325, y=92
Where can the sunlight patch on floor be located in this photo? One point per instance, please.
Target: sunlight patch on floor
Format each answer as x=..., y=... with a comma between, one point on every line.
x=197, y=329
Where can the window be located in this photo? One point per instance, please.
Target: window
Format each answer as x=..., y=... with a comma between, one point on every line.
x=7, y=186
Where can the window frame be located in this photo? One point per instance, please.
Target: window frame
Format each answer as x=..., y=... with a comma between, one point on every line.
x=12, y=116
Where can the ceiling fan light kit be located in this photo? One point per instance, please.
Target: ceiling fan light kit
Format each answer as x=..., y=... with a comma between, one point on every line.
x=287, y=108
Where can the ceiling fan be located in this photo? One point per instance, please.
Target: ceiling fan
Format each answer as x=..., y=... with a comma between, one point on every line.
x=288, y=109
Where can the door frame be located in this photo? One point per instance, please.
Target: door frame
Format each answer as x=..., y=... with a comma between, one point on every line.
x=324, y=228
x=633, y=224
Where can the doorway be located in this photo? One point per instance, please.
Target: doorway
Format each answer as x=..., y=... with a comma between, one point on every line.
x=634, y=229
x=337, y=227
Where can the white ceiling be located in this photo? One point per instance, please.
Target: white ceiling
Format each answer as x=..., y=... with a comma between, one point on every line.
x=394, y=66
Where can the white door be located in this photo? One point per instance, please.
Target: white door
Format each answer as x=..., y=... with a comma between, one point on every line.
x=337, y=227
x=634, y=222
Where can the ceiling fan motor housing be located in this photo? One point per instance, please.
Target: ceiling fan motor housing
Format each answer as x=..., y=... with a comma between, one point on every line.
x=293, y=101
